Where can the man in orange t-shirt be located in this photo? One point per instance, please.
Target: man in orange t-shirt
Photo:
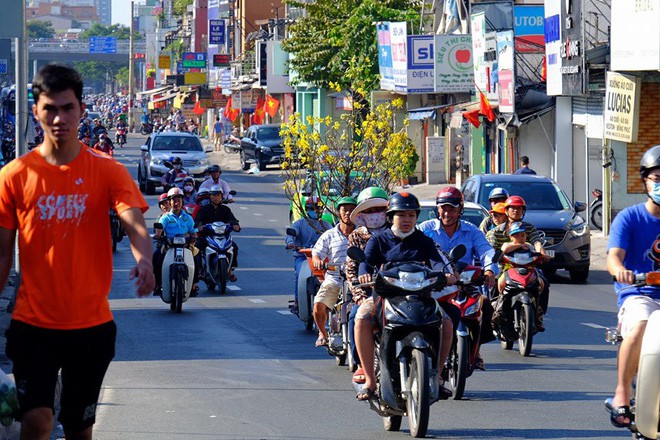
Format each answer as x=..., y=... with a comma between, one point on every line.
x=57, y=199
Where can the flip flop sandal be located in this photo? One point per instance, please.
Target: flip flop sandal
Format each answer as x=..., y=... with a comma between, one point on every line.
x=367, y=394
x=233, y=278
x=479, y=364
x=359, y=376
x=321, y=342
x=621, y=411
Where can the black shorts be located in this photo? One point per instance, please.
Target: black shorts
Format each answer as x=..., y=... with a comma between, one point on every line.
x=82, y=355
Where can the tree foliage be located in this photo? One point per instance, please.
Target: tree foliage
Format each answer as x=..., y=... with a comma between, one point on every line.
x=116, y=30
x=40, y=29
x=179, y=6
x=353, y=152
x=336, y=35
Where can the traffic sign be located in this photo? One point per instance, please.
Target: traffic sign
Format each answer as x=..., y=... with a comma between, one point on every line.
x=3, y=66
x=102, y=44
x=194, y=59
x=217, y=32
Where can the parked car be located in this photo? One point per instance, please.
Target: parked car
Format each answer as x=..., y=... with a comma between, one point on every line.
x=161, y=148
x=550, y=210
x=473, y=212
x=261, y=145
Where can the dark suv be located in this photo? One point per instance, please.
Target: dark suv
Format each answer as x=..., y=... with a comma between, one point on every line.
x=261, y=145
x=550, y=210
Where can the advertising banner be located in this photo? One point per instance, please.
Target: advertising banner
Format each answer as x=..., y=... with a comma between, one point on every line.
x=420, y=64
x=217, y=31
x=621, y=112
x=478, y=26
x=194, y=78
x=635, y=36
x=453, y=63
x=398, y=40
x=490, y=68
x=385, y=56
x=506, y=77
x=528, y=22
x=194, y=59
x=164, y=61
x=564, y=48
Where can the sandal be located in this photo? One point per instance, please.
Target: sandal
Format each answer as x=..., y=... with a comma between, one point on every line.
x=321, y=342
x=233, y=278
x=359, y=376
x=367, y=394
x=621, y=412
x=479, y=364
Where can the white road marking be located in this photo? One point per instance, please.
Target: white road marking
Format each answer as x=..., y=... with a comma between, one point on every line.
x=272, y=220
x=257, y=213
x=589, y=324
x=234, y=288
x=243, y=207
x=285, y=312
x=257, y=301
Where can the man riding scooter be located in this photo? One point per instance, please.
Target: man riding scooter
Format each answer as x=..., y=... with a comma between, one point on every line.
x=170, y=176
x=308, y=230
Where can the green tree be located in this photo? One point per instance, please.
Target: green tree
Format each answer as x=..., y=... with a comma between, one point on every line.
x=119, y=31
x=121, y=77
x=335, y=43
x=179, y=6
x=97, y=74
x=40, y=29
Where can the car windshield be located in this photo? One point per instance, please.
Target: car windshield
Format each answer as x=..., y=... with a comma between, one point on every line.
x=474, y=216
x=268, y=133
x=179, y=143
x=538, y=196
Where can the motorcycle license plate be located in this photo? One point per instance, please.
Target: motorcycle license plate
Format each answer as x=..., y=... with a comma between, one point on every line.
x=550, y=252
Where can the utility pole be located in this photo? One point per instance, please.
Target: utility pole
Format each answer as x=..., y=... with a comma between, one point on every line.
x=131, y=68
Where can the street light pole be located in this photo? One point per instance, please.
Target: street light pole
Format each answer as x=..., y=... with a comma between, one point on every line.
x=131, y=68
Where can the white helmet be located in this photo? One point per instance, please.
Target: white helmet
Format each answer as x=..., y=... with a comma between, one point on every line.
x=174, y=192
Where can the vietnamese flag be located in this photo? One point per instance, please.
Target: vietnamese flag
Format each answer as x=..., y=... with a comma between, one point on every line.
x=271, y=106
x=228, y=108
x=473, y=118
x=485, y=107
x=230, y=112
x=259, y=112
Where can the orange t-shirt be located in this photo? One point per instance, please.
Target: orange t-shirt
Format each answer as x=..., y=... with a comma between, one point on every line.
x=62, y=217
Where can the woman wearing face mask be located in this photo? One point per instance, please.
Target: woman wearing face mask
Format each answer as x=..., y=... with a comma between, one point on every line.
x=189, y=192
x=369, y=218
x=170, y=176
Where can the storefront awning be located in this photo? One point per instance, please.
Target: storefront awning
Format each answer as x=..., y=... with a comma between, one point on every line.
x=154, y=91
x=421, y=113
x=165, y=98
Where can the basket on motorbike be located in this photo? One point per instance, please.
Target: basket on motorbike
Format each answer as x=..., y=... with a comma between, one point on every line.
x=318, y=273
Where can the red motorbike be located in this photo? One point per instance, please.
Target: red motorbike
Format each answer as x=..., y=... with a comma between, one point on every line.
x=518, y=302
x=121, y=136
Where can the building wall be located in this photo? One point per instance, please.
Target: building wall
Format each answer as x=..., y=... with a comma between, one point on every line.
x=533, y=143
x=648, y=136
x=104, y=9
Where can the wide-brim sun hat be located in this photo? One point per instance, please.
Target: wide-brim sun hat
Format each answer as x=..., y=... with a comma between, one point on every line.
x=368, y=204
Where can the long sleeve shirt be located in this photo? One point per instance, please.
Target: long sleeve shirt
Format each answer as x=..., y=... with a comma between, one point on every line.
x=307, y=233
x=215, y=213
x=477, y=247
x=208, y=183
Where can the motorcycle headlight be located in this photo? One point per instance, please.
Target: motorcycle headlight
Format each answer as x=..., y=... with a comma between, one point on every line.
x=218, y=229
x=178, y=240
x=580, y=230
x=410, y=280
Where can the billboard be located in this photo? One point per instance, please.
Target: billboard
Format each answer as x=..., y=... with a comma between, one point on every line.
x=398, y=41
x=635, y=47
x=506, y=76
x=420, y=64
x=478, y=26
x=528, y=26
x=621, y=112
x=453, y=64
x=564, y=47
x=385, y=56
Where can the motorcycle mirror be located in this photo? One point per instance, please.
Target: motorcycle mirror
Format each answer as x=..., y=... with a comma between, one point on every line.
x=158, y=226
x=457, y=252
x=291, y=232
x=356, y=254
x=232, y=192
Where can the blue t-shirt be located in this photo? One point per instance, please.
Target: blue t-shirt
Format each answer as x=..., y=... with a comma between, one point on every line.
x=177, y=225
x=637, y=232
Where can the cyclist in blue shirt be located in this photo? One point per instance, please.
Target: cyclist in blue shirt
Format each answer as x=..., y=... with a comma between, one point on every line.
x=634, y=247
x=448, y=231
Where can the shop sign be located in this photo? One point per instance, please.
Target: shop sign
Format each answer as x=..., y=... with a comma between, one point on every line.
x=621, y=112
x=506, y=77
x=164, y=61
x=385, y=56
x=528, y=25
x=194, y=59
x=634, y=38
x=453, y=64
x=564, y=48
x=478, y=26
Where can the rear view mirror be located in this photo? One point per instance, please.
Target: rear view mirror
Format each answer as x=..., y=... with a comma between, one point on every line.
x=457, y=252
x=144, y=148
x=232, y=192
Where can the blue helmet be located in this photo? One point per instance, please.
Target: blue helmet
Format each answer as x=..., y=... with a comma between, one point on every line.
x=498, y=193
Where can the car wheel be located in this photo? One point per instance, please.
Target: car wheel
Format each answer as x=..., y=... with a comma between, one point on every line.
x=579, y=275
x=141, y=180
x=244, y=164
x=260, y=164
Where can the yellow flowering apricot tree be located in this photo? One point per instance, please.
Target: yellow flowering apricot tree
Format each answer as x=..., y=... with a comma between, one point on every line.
x=333, y=158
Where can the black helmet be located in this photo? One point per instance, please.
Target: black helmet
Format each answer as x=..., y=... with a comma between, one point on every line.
x=650, y=160
x=177, y=161
x=214, y=169
x=402, y=201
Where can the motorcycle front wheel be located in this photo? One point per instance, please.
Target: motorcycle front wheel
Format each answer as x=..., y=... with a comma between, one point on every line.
x=418, y=401
x=177, y=287
x=525, y=335
x=222, y=266
x=597, y=215
x=459, y=358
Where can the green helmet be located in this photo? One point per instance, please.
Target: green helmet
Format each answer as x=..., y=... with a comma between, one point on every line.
x=345, y=201
x=373, y=192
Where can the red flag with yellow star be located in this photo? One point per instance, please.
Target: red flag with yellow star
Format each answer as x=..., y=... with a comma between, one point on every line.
x=259, y=112
x=473, y=118
x=271, y=106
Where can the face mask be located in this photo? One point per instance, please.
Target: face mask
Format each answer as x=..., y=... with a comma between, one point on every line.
x=655, y=193
x=400, y=233
x=176, y=166
x=312, y=214
x=188, y=188
x=374, y=220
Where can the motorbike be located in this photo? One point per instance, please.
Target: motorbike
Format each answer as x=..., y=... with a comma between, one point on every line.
x=519, y=300
x=465, y=345
x=120, y=136
x=231, y=146
x=596, y=209
x=307, y=286
x=646, y=406
x=116, y=229
x=8, y=143
x=406, y=356
x=178, y=271
x=146, y=128
x=219, y=255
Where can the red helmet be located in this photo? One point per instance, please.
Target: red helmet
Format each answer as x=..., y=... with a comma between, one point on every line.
x=449, y=195
x=515, y=201
x=180, y=177
x=162, y=198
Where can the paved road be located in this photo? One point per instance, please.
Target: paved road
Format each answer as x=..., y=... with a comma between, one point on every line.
x=241, y=367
